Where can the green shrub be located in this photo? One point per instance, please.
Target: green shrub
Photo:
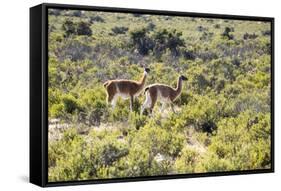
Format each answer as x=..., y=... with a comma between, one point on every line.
x=56, y=110
x=80, y=28
x=211, y=163
x=70, y=103
x=159, y=140
x=187, y=161
x=227, y=33
x=165, y=39
x=140, y=41
x=70, y=160
x=201, y=113
x=235, y=143
x=84, y=28
x=96, y=19
x=69, y=28
x=119, y=30
x=136, y=120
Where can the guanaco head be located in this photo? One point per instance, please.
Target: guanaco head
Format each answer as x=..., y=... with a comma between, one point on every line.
x=182, y=77
x=146, y=70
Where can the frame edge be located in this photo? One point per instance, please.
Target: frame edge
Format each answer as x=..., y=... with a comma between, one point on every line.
x=35, y=99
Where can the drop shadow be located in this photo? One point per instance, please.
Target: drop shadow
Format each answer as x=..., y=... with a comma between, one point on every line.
x=24, y=178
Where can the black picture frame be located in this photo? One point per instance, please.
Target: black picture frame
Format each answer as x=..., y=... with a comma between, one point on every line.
x=39, y=93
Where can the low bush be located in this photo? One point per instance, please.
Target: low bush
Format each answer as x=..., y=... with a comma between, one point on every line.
x=119, y=30
x=187, y=160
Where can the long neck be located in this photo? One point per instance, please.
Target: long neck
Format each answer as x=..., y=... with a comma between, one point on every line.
x=179, y=87
x=143, y=78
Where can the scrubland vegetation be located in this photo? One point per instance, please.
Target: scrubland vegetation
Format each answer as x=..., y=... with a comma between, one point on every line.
x=222, y=119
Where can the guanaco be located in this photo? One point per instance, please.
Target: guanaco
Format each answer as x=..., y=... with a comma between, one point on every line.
x=125, y=89
x=163, y=93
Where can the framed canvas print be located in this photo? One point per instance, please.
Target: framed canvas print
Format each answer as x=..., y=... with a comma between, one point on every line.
x=127, y=94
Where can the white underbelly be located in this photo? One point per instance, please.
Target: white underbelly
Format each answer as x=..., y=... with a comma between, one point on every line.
x=123, y=95
x=162, y=99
